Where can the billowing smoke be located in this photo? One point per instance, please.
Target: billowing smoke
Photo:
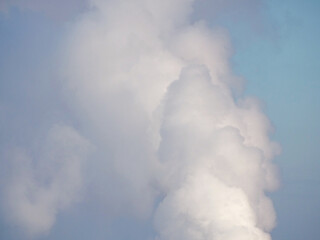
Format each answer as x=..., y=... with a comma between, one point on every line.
x=157, y=133
x=39, y=187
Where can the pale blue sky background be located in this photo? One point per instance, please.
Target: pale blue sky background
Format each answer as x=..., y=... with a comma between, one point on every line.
x=278, y=56
x=284, y=71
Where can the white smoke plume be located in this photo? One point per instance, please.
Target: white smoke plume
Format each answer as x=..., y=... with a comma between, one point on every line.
x=153, y=96
x=38, y=187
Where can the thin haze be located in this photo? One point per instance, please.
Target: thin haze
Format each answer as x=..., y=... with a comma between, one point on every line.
x=143, y=124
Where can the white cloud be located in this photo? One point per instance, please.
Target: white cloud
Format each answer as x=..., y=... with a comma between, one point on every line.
x=214, y=180
x=123, y=63
x=39, y=187
x=152, y=91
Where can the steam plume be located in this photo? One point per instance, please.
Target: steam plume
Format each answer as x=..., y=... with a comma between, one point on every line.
x=152, y=95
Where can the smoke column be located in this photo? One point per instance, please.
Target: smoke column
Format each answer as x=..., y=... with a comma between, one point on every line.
x=159, y=134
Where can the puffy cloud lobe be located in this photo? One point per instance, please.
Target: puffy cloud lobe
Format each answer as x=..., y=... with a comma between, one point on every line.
x=214, y=181
x=39, y=187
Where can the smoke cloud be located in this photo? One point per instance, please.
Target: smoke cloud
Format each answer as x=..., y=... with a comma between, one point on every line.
x=157, y=132
x=38, y=187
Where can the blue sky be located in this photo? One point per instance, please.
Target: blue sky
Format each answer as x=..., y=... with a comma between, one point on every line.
x=275, y=49
x=279, y=59
x=284, y=72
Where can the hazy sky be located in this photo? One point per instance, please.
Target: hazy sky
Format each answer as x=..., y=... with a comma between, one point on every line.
x=149, y=119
